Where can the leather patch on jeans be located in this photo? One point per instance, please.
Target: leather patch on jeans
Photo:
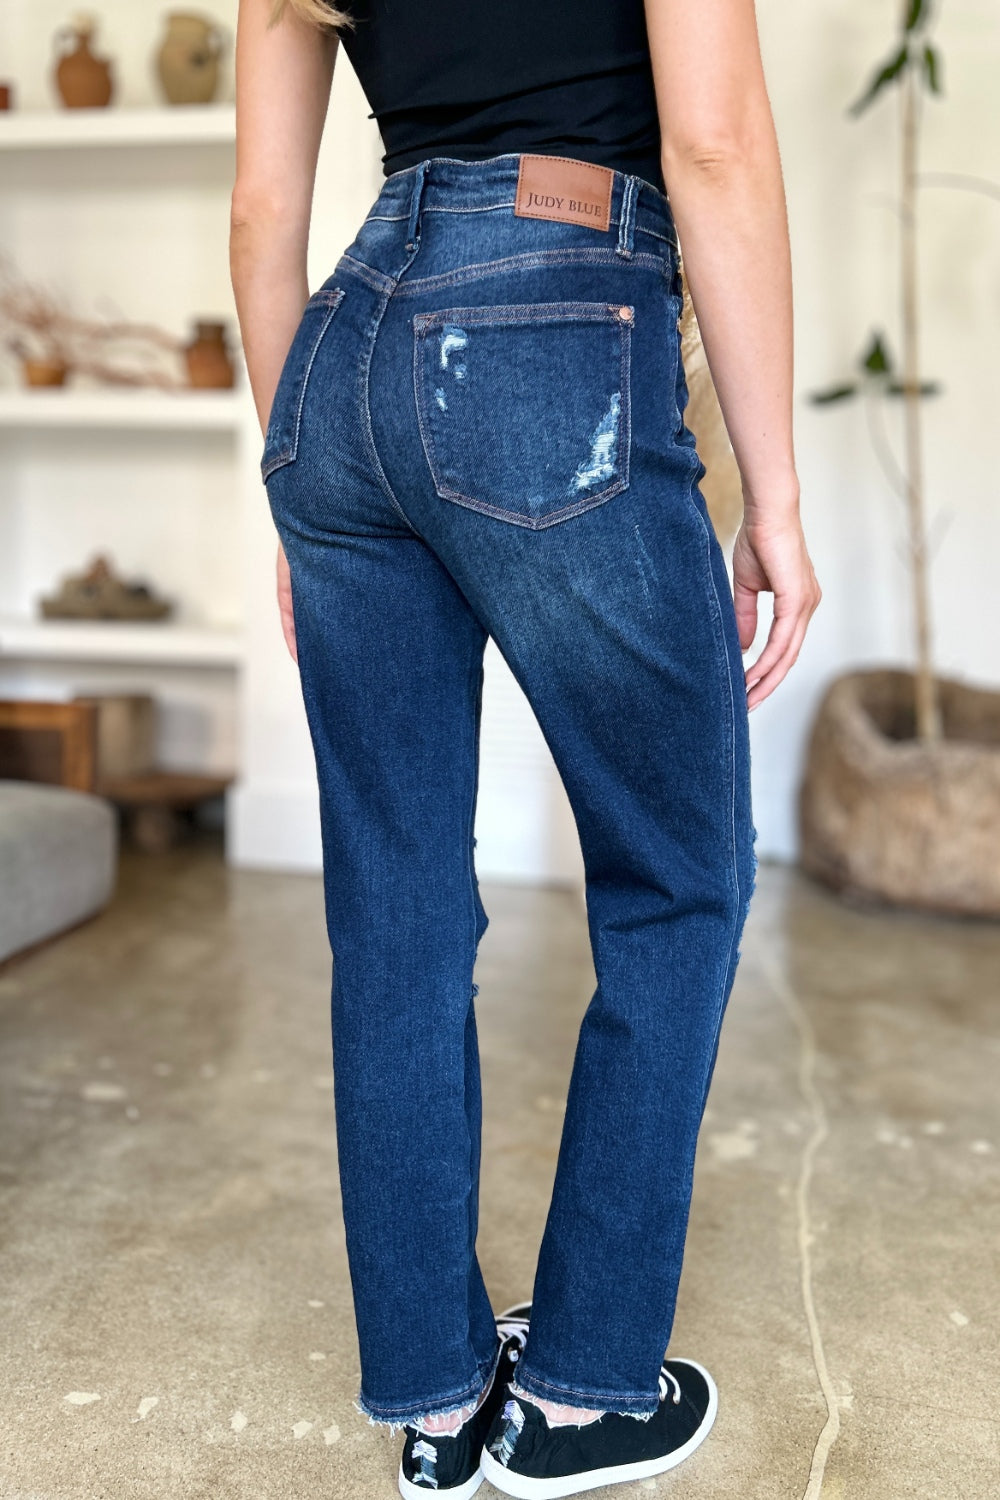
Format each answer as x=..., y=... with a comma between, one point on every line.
x=563, y=188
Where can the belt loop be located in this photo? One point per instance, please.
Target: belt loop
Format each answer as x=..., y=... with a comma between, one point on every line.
x=413, y=227
x=626, y=216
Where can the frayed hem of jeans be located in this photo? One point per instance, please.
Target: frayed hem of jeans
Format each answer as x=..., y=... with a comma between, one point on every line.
x=395, y=1423
x=586, y=1400
x=392, y=1425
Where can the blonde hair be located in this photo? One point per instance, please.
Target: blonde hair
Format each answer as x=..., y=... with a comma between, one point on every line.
x=315, y=11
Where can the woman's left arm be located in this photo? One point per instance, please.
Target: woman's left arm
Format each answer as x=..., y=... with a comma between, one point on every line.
x=283, y=78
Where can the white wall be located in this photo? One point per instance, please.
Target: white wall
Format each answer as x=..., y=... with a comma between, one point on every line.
x=166, y=214
x=840, y=184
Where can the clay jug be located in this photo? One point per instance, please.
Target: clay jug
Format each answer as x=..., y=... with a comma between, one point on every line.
x=188, y=60
x=208, y=363
x=83, y=80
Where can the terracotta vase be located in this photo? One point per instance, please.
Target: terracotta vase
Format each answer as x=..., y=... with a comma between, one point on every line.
x=38, y=372
x=208, y=363
x=83, y=80
x=188, y=60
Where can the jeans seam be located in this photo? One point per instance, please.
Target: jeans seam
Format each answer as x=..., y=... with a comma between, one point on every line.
x=444, y=209
x=331, y=300
x=580, y=1397
x=526, y=261
x=380, y=473
x=479, y=208
x=515, y=518
x=377, y=279
x=720, y=632
x=473, y=909
x=503, y=313
x=401, y=1414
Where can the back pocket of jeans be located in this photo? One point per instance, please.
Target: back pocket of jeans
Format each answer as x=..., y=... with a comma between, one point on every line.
x=524, y=408
x=281, y=440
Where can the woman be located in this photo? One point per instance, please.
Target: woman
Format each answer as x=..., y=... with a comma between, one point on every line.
x=475, y=428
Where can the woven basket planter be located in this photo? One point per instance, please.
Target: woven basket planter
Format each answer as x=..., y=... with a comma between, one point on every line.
x=884, y=818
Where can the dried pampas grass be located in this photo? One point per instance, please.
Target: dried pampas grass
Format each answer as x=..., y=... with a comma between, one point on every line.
x=37, y=325
x=721, y=486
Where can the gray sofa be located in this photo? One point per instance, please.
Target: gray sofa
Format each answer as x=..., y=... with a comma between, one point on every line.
x=58, y=860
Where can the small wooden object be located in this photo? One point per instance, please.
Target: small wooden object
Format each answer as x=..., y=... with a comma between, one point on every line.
x=99, y=594
x=49, y=742
x=154, y=804
x=126, y=732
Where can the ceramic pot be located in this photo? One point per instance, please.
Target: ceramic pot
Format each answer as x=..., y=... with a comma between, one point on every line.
x=44, y=371
x=208, y=363
x=885, y=818
x=187, y=63
x=83, y=80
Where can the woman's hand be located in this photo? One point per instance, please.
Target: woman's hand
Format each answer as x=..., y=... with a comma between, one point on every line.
x=770, y=556
x=285, y=604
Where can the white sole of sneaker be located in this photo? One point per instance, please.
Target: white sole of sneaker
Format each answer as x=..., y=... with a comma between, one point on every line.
x=521, y=1487
x=411, y=1491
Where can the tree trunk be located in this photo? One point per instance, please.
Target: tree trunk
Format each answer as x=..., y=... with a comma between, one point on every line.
x=928, y=712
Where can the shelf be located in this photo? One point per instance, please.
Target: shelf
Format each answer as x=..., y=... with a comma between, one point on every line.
x=177, y=125
x=153, y=642
x=166, y=411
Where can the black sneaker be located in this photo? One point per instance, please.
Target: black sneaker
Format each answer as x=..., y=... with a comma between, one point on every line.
x=450, y=1464
x=513, y=1325
x=526, y=1458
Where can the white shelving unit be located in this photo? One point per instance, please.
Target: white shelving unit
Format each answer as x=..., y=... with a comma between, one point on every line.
x=141, y=410
x=191, y=124
x=74, y=473
x=148, y=642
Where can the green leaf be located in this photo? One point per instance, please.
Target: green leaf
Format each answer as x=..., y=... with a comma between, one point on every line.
x=876, y=359
x=915, y=14
x=932, y=69
x=926, y=388
x=885, y=75
x=834, y=393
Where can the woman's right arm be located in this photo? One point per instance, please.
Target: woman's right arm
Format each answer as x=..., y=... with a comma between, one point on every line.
x=723, y=177
x=283, y=78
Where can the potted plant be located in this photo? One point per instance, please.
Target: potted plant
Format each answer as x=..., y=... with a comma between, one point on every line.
x=35, y=332
x=900, y=800
x=52, y=342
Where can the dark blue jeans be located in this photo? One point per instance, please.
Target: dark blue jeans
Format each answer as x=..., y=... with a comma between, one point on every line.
x=479, y=432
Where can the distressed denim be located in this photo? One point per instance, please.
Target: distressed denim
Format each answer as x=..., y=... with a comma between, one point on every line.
x=479, y=431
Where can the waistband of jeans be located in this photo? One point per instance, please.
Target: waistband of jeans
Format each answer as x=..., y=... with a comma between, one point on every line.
x=456, y=183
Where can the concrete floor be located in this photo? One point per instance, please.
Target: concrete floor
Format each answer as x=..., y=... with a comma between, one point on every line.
x=177, y=1321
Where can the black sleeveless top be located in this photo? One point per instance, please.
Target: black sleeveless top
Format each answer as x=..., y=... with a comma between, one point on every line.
x=474, y=78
